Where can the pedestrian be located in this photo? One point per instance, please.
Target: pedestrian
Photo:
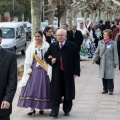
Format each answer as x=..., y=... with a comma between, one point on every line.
x=93, y=39
x=69, y=34
x=77, y=36
x=107, y=50
x=35, y=82
x=8, y=81
x=86, y=42
x=49, y=35
x=65, y=67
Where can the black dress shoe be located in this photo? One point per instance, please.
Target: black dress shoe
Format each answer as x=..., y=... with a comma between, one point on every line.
x=41, y=112
x=54, y=115
x=31, y=113
x=110, y=93
x=67, y=114
x=104, y=92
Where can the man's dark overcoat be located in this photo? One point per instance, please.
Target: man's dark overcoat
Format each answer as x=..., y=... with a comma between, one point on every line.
x=77, y=38
x=8, y=79
x=71, y=64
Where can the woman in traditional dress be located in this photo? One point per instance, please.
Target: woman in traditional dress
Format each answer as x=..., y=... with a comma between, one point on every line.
x=35, y=82
x=92, y=37
x=85, y=45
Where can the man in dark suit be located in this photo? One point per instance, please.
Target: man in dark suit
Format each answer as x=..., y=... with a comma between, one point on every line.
x=101, y=26
x=8, y=81
x=64, y=58
x=113, y=25
x=77, y=36
x=69, y=34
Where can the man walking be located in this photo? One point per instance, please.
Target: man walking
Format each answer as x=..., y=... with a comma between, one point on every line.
x=65, y=60
x=8, y=81
x=77, y=36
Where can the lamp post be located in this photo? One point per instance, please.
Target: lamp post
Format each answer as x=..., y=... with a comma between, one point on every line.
x=58, y=15
x=43, y=11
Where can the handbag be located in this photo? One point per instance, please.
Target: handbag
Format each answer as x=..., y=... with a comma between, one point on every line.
x=99, y=58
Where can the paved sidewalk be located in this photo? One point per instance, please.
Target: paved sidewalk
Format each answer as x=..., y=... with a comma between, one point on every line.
x=89, y=104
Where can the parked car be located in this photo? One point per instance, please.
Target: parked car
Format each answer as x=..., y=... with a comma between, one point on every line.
x=43, y=25
x=14, y=36
x=27, y=27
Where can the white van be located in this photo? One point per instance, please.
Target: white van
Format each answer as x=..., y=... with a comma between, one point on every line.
x=27, y=28
x=14, y=36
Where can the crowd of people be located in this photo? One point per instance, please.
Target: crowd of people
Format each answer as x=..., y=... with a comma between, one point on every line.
x=53, y=61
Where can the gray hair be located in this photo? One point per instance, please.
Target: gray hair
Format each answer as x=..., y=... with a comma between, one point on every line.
x=65, y=32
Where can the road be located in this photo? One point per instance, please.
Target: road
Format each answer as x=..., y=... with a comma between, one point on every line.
x=20, y=57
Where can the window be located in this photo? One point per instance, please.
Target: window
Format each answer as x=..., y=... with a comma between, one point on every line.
x=8, y=33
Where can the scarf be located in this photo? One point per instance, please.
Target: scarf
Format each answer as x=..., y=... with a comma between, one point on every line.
x=106, y=41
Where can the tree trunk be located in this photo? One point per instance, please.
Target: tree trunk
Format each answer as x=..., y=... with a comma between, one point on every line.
x=69, y=18
x=63, y=17
x=85, y=16
x=94, y=16
x=52, y=7
x=36, y=12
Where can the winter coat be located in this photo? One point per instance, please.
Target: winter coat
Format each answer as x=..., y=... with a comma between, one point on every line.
x=71, y=65
x=108, y=59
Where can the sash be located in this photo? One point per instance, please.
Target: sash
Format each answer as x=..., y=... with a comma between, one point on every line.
x=40, y=61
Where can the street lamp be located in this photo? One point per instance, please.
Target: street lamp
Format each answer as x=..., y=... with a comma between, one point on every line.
x=58, y=15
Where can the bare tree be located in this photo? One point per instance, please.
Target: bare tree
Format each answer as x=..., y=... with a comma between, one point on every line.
x=36, y=12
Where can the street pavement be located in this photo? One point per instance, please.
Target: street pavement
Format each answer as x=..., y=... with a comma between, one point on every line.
x=89, y=104
x=20, y=57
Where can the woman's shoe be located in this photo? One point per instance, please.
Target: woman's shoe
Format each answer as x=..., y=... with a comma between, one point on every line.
x=41, y=112
x=31, y=113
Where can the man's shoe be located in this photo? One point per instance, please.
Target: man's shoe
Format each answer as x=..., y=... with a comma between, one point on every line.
x=104, y=92
x=54, y=115
x=110, y=93
x=67, y=114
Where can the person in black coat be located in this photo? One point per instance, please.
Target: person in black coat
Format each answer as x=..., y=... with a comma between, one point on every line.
x=48, y=35
x=113, y=25
x=77, y=36
x=8, y=81
x=69, y=34
x=64, y=58
x=101, y=26
x=107, y=24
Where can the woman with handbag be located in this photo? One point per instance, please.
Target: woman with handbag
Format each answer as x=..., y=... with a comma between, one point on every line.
x=107, y=52
x=35, y=82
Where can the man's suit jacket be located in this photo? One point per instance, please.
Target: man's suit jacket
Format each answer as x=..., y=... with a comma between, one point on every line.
x=8, y=79
x=69, y=36
x=77, y=38
x=112, y=28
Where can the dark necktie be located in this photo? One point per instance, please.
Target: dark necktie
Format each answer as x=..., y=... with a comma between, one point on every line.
x=61, y=63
